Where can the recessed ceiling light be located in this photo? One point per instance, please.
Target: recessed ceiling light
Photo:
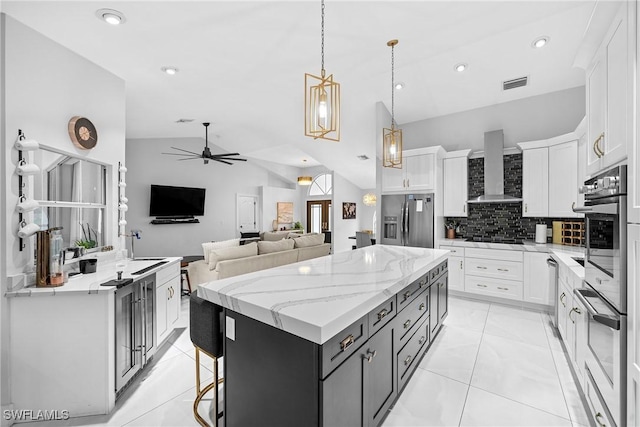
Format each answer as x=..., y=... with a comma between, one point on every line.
x=540, y=42
x=111, y=16
x=460, y=67
x=399, y=86
x=170, y=70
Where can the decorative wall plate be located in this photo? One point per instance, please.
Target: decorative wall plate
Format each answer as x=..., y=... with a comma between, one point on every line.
x=83, y=133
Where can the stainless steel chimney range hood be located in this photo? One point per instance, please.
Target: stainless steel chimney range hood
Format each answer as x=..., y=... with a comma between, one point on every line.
x=494, y=171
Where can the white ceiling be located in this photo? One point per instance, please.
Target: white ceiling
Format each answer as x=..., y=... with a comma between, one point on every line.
x=242, y=64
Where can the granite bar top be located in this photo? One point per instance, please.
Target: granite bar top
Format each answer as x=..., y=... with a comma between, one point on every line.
x=318, y=298
x=527, y=246
x=90, y=283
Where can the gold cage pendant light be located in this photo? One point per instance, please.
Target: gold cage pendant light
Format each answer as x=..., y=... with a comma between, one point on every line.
x=322, y=101
x=392, y=138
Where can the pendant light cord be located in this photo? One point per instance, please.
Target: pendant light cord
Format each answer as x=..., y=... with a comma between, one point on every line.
x=393, y=120
x=322, y=39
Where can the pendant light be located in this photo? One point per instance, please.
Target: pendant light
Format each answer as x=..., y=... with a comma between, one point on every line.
x=321, y=100
x=392, y=138
x=305, y=180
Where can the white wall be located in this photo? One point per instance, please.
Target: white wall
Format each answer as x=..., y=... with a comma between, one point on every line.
x=528, y=119
x=43, y=86
x=345, y=191
x=270, y=198
x=147, y=165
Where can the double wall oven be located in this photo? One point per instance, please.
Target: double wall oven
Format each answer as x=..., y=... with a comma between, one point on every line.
x=605, y=292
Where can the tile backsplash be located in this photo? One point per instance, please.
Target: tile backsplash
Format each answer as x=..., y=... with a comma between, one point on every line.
x=498, y=220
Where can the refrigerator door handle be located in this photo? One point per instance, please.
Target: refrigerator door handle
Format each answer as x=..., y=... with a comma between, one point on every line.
x=405, y=220
x=402, y=224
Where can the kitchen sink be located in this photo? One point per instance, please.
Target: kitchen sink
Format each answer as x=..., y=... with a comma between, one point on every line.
x=151, y=267
x=147, y=259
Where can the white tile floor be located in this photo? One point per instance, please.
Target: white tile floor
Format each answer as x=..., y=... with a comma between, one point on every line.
x=490, y=365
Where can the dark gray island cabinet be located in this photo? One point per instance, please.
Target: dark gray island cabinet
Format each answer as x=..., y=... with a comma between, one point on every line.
x=278, y=373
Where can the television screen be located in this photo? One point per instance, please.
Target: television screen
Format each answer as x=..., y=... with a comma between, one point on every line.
x=176, y=201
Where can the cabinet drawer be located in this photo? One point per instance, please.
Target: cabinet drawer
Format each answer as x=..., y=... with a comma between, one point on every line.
x=600, y=415
x=437, y=271
x=507, y=270
x=382, y=314
x=494, y=287
x=497, y=254
x=410, y=317
x=167, y=273
x=455, y=250
x=411, y=352
x=340, y=347
x=409, y=293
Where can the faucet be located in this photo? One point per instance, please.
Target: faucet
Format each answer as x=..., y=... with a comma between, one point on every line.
x=138, y=235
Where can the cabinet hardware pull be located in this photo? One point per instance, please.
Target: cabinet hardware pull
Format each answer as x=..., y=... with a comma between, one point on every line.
x=370, y=355
x=346, y=343
x=526, y=208
x=562, y=295
x=464, y=208
x=577, y=310
x=503, y=289
x=406, y=295
x=421, y=307
x=482, y=286
x=503, y=269
x=407, y=360
x=481, y=267
x=423, y=282
x=407, y=324
x=422, y=340
x=382, y=313
x=460, y=265
x=408, y=183
x=440, y=284
x=596, y=146
x=404, y=182
x=598, y=416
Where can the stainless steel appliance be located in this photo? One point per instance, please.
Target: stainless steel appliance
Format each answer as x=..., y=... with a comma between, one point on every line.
x=605, y=293
x=135, y=333
x=553, y=281
x=407, y=220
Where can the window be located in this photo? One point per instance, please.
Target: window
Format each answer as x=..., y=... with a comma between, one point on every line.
x=322, y=185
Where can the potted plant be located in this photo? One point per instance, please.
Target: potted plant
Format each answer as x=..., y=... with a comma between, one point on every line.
x=297, y=225
x=451, y=229
x=87, y=241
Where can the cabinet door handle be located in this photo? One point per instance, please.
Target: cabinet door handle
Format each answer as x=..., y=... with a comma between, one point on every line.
x=503, y=289
x=346, y=343
x=441, y=284
x=481, y=267
x=407, y=324
x=408, y=183
x=481, y=286
x=562, y=295
x=422, y=340
x=598, y=416
x=503, y=269
x=526, y=208
x=370, y=355
x=596, y=146
x=422, y=306
x=404, y=182
x=460, y=265
x=407, y=360
x=382, y=313
x=406, y=295
x=464, y=208
x=577, y=310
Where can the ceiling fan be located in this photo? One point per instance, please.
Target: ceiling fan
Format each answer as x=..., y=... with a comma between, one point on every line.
x=206, y=153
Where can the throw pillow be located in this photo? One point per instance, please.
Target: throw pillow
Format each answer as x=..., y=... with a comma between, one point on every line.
x=279, y=246
x=272, y=236
x=309, y=240
x=208, y=246
x=222, y=254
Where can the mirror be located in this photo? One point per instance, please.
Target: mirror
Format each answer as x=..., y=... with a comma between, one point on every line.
x=72, y=194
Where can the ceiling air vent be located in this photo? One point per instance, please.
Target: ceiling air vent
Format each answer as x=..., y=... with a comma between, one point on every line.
x=514, y=83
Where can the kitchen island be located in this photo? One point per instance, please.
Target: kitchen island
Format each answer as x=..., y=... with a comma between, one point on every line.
x=328, y=341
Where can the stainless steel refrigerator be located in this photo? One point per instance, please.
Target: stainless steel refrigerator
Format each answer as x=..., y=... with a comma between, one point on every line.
x=407, y=220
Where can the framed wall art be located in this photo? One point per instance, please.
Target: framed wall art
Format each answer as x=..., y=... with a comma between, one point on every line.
x=348, y=210
x=285, y=212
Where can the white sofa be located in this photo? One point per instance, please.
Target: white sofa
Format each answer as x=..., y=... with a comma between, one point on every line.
x=268, y=256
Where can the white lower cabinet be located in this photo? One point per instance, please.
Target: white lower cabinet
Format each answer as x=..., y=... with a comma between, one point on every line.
x=456, y=267
x=633, y=325
x=493, y=272
x=167, y=301
x=536, y=283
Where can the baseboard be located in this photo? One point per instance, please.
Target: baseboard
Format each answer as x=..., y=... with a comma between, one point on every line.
x=503, y=301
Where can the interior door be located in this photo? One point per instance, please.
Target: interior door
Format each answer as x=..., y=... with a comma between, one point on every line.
x=247, y=213
x=318, y=216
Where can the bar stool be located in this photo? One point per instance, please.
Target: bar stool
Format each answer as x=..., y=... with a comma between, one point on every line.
x=206, y=335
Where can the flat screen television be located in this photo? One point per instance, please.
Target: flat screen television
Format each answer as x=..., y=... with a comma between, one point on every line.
x=168, y=201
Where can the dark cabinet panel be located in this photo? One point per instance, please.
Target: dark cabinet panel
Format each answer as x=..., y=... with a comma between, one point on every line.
x=434, y=297
x=340, y=347
x=379, y=382
x=443, y=297
x=342, y=394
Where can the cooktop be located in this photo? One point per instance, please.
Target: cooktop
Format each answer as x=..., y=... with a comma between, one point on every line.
x=484, y=239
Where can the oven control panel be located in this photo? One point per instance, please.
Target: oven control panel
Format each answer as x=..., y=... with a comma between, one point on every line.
x=606, y=184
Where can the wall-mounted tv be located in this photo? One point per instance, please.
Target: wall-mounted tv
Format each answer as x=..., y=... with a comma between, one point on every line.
x=168, y=201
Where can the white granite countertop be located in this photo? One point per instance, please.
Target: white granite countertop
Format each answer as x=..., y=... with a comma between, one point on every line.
x=90, y=283
x=317, y=298
x=566, y=258
x=527, y=246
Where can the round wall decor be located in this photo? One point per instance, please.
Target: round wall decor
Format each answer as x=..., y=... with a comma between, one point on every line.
x=83, y=133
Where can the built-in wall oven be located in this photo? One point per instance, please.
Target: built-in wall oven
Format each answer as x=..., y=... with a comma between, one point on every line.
x=135, y=333
x=605, y=291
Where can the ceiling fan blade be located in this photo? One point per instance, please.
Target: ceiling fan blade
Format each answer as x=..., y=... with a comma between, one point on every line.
x=180, y=154
x=186, y=151
x=223, y=161
x=227, y=154
x=229, y=158
x=190, y=158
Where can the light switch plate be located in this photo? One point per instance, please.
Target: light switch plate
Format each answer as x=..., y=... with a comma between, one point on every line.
x=230, y=328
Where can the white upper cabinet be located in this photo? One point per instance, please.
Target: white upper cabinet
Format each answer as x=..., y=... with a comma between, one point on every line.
x=563, y=179
x=535, y=182
x=609, y=80
x=418, y=172
x=456, y=183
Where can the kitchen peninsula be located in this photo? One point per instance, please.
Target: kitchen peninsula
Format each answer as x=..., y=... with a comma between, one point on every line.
x=328, y=341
